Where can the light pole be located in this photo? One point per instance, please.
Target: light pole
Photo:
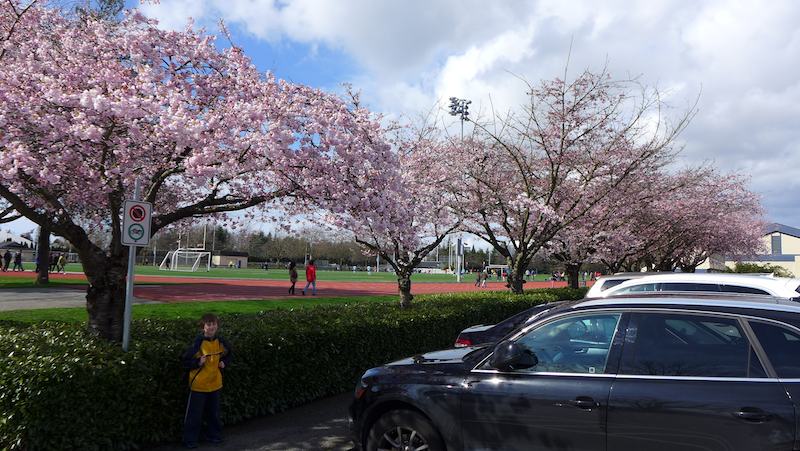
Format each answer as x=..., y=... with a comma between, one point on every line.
x=460, y=108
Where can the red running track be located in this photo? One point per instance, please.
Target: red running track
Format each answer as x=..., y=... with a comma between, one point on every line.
x=186, y=289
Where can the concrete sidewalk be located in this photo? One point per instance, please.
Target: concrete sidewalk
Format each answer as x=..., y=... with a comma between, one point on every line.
x=321, y=425
x=50, y=297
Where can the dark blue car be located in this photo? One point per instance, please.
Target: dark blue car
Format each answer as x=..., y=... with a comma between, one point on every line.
x=654, y=373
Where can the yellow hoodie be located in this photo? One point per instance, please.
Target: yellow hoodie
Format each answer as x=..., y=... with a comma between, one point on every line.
x=208, y=377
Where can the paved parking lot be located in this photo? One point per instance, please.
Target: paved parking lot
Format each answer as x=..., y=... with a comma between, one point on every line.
x=321, y=425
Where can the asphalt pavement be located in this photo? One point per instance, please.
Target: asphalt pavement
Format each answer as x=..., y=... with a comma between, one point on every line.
x=50, y=297
x=321, y=425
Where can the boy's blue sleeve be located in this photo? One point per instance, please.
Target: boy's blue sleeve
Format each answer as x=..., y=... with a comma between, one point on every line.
x=226, y=356
x=188, y=358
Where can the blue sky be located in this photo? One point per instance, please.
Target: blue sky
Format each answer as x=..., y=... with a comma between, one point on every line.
x=317, y=66
x=738, y=56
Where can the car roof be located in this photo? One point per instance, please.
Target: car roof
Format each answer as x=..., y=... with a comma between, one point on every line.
x=694, y=299
x=639, y=273
x=597, y=286
x=628, y=275
x=786, y=286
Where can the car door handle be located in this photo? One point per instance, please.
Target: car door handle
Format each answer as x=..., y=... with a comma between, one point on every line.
x=583, y=403
x=752, y=415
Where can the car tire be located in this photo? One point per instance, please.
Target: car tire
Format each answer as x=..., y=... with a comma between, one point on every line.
x=401, y=430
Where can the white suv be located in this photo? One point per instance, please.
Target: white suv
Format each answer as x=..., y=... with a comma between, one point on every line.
x=710, y=282
x=604, y=283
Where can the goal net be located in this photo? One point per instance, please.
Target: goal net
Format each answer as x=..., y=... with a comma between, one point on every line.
x=186, y=260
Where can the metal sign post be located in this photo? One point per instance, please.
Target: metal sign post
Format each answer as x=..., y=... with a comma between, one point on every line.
x=135, y=232
x=459, y=259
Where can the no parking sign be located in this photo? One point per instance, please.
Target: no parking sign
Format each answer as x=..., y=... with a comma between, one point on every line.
x=136, y=223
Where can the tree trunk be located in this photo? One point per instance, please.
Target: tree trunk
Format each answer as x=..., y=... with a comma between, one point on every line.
x=404, y=285
x=515, y=281
x=516, y=274
x=105, y=297
x=43, y=256
x=573, y=274
x=665, y=266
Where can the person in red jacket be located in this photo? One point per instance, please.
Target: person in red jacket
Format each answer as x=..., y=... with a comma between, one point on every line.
x=311, y=278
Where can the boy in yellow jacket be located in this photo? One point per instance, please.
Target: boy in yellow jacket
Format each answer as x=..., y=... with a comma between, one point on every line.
x=205, y=358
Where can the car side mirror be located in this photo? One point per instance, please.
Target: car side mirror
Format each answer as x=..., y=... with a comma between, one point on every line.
x=510, y=356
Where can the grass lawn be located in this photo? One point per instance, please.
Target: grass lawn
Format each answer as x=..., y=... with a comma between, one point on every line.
x=186, y=309
x=283, y=274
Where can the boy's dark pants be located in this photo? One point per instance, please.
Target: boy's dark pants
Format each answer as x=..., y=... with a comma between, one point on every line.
x=202, y=406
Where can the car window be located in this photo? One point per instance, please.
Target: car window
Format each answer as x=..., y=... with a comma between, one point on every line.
x=525, y=317
x=577, y=344
x=611, y=283
x=741, y=289
x=664, y=344
x=687, y=286
x=782, y=346
x=535, y=317
x=643, y=287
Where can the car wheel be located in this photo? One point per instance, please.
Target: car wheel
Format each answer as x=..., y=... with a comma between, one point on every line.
x=403, y=430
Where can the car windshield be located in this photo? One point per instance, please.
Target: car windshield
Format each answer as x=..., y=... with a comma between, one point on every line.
x=535, y=317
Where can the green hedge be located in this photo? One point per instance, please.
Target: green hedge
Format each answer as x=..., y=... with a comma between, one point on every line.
x=63, y=389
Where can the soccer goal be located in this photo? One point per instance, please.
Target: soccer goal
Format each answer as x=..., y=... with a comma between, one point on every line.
x=189, y=260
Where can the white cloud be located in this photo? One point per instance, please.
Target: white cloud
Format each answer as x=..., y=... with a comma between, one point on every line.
x=741, y=54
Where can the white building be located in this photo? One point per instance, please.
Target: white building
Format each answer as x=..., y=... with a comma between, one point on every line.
x=7, y=236
x=782, y=244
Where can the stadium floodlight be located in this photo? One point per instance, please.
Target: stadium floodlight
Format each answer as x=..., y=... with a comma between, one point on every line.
x=460, y=108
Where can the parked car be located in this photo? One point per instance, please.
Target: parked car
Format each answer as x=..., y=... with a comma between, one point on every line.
x=710, y=282
x=482, y=333
x=491, y=333
x=604, y=283
x=648, y=373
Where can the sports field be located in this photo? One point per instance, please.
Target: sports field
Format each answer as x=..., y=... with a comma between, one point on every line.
x=283, y=274
x=222, y=290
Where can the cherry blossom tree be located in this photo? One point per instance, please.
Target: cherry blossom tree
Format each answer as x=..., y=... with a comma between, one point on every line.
x=701, y=213
x=399, y=210
x=577, y=243
x=532, y=174
x=88, y=107
x=607, y=225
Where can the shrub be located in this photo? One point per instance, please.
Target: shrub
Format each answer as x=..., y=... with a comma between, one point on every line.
x=745, y=268
x=64, y=389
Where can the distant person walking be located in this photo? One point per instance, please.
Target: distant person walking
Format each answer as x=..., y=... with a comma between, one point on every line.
x=61, y=265
x=18, y=261
x=39, y=261
x=53, y=264
x=311, y=278
x=292, y=276
x=6, y=260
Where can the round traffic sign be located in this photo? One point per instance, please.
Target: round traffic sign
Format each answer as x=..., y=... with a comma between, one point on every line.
x=136, y=232
x=137, y=213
